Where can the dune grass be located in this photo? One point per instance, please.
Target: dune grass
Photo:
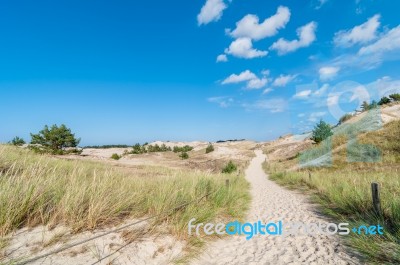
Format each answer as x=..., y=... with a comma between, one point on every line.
x=344, y=190
x=43, y=190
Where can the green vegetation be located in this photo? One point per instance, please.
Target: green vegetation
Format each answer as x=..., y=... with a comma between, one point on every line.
x=395, y=97
x=17, y=141
x=148, y=148
x=321, y=132
x=185, y=148
x=184, y=155
x=115, y=156
x=384, y=101
x=229, y=168
x=210, y=148
x=345, y=118
x=84, y=195
x=344, y=188
x=54, y=140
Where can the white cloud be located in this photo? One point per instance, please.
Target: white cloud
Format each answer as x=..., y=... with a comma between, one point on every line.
x=243, y=76
x=321, y=3
x=267, y=90
x=249, y=26
x=222, y=58
x=272, y=105
x=315, y=116
x=390, y=41
x=359, y=34
x=306, y=36
x=243, y=48
x=320, y=92
x=252, y=81
x=303, y=94
x=283, y=80
x=265, y=72
x=328, y=72
x=257, y=83
x=211, y=11
x=223, y=102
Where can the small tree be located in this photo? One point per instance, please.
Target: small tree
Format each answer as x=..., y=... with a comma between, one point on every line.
x=184, y=155
x=383, y=101
x=365, y=106
x=321, y=131
x=17, y=141
x=210, y=148
x=395, y=97
x=55, y=139
x=229, y=168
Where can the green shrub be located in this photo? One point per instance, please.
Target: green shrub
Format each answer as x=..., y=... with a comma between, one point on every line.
x=395, y=97
x=345, y=117
x=321, y=131
x=184, y=155
x=229, y=168
x=210, y=148
x=384, y=101
x=185, y=148
x=115, y=156
x=17, y=141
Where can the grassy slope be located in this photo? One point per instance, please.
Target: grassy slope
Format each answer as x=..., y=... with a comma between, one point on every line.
x=345, y=192
x=39, y=189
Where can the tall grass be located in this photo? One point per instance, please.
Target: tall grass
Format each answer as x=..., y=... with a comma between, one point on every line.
x=37, y=189
x=344, y=189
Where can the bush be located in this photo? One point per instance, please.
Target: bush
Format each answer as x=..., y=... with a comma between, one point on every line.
x=54, y=140
x=345, y=117
x=184, y=155
x=383, y=101
x=229, y=168
x=115, y=156
x=185, y=148
x=321, y=131
x=209, y=148
x=395, y=97
x=17, y=141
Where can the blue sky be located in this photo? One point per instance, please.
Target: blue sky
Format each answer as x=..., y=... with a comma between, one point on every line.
x=136, y=71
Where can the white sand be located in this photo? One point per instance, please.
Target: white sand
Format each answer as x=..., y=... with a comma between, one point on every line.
x=146, y=249
x=271, y=202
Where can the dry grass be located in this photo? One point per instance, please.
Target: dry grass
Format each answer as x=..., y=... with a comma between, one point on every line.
x=344, y=189
x=84, y=195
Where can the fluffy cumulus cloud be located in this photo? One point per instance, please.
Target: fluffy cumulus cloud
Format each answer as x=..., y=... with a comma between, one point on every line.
x=211, y=11
x=250, y=27
x=222, y=58
x=306, y=36
x=321, y=3
x=243, y=48
x=390, y=41
x=328, y=72
x=363, y=33
x=251, y=79
x=283, y=80
x=243, y=76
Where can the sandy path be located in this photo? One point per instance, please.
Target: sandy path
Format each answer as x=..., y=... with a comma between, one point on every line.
x=273, y=203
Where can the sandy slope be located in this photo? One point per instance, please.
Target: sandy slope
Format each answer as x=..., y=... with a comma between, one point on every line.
x=272, y=203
